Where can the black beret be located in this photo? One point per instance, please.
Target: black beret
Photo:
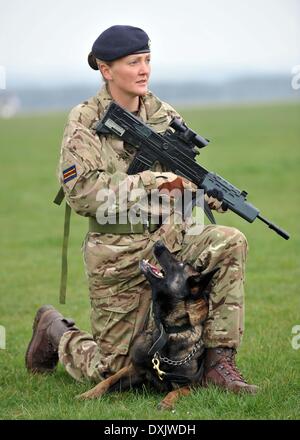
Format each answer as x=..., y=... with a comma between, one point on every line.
x=117, y=42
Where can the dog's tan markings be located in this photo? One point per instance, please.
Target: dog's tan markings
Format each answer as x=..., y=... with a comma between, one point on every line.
x=171, y=398
x=102, y=387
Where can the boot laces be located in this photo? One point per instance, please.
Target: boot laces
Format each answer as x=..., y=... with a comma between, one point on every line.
x=231, y=370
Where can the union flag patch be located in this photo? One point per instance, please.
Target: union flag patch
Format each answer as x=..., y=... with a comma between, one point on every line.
x=70, y=173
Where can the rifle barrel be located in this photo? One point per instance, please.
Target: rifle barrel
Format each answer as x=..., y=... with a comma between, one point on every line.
x=275, y=228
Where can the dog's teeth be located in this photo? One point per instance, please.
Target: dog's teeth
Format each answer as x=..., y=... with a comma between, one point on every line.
x=146, y=261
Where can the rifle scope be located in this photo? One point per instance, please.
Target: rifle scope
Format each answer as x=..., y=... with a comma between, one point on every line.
x=188, y=135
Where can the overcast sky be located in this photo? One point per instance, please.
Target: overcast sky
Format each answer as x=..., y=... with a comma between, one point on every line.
x=48, y=41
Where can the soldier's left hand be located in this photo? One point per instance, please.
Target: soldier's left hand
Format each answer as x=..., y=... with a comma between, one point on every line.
x=214, y=198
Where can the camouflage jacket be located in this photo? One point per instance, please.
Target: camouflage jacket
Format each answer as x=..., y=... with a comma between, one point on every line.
x=89, y=163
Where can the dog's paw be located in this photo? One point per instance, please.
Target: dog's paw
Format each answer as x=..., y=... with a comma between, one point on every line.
x=163, y=406
x=91, y=394
x=83, y=396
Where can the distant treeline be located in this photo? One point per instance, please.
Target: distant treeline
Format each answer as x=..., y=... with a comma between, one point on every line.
x=243, y=89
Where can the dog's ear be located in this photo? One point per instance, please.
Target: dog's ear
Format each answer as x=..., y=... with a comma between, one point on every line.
x=191, y=272
x=199, y=283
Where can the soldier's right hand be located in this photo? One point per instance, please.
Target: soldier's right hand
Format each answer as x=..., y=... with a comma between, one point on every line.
x=214, y=199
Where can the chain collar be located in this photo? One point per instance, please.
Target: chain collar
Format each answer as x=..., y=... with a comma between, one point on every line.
x=183, y=361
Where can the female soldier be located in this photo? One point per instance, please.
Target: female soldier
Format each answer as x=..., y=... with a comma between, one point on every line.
x=120, y=296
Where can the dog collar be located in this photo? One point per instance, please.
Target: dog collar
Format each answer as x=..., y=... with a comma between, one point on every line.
x=177, y=328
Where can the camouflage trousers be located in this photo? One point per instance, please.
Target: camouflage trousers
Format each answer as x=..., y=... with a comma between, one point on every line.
x=121, y=297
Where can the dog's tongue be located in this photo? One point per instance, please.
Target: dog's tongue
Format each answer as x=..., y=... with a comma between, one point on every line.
x=155, y=270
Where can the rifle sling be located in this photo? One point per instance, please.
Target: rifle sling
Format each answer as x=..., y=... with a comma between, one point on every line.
x=59, y=196
x=64, y=254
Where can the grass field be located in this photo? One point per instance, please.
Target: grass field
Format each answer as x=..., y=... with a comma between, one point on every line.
x=254, y=147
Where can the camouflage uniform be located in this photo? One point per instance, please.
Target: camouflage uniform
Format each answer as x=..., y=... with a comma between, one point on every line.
x=120, y=296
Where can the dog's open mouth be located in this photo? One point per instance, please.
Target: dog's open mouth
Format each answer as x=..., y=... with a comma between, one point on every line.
x=154, y=270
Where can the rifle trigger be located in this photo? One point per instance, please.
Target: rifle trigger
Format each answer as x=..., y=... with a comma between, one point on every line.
x=209, y=214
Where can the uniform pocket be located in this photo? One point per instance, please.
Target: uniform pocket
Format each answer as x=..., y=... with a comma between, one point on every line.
x=112, y=265
x=113, y=321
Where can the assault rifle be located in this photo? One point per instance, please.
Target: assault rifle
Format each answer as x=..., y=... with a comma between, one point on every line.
x=177, y=151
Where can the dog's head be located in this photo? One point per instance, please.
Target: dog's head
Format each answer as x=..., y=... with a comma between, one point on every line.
x=176, y=280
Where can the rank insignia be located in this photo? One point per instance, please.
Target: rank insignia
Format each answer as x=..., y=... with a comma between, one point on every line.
x=70, y=173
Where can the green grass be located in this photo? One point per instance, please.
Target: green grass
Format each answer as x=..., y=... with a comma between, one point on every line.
x=254, y=147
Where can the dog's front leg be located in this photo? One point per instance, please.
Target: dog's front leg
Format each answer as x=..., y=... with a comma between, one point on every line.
x=171, y=398
x=104, y=386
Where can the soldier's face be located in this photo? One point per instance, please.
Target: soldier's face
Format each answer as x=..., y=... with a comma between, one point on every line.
x=130, y=74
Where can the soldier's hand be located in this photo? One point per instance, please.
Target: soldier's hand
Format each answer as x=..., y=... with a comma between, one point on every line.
x=166, y=182
x=214, y=198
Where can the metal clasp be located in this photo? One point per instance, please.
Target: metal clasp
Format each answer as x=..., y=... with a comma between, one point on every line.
x=156, y=362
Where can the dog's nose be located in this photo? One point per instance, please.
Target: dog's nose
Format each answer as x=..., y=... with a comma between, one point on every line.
x=159, y=247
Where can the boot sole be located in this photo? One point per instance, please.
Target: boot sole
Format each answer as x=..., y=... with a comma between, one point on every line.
x=236, y=390
x=40, y=316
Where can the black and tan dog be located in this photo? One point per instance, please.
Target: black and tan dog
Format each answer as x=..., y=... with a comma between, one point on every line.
x=170, y=356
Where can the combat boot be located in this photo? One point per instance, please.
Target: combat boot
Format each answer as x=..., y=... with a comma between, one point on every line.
x=48, y=327
x=220, y=370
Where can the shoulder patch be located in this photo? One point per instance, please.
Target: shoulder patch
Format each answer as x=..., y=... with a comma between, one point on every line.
x=69, y=173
